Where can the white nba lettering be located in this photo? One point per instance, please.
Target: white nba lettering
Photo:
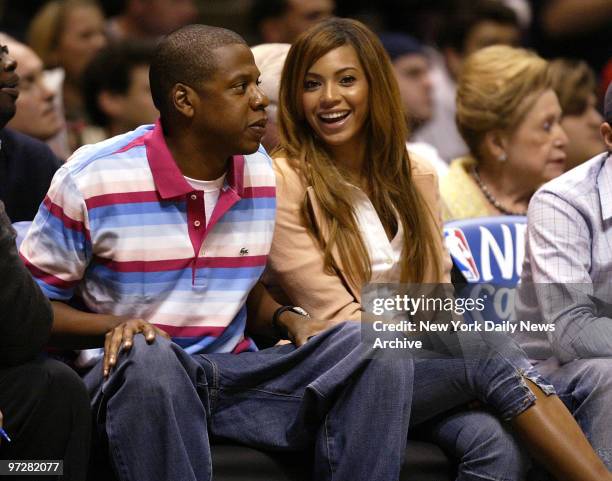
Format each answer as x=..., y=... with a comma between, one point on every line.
x=504, y=260
x=520, y=247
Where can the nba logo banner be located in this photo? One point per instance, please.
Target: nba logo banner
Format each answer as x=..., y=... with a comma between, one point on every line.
x=488, y=249
x=459, y=249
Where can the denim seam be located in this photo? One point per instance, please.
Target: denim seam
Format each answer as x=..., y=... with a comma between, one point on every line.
x=119, y=463
x=236, y=389
x=327, y=445
x=314, y=388
x=480, y=476
x=213, y=387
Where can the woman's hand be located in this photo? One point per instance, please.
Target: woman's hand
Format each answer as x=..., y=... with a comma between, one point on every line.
x=301, y=328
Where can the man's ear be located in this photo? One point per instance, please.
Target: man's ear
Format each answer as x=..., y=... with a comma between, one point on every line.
x=183, y=99
x=606, y=133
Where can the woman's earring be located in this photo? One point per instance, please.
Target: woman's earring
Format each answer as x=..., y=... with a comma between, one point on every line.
x=502, y=157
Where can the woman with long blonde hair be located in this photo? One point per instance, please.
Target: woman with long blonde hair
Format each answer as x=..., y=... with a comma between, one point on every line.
x=353, y=207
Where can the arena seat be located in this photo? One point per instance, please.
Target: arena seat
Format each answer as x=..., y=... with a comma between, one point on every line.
x=424, y=462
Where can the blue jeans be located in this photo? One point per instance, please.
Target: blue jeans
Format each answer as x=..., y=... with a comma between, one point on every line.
x=490, y=369
x=482, y=445
x=585, y=386
x=160, y=404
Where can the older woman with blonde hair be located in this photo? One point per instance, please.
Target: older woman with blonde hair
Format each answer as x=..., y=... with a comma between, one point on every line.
x=509, y=116
x=353, y=207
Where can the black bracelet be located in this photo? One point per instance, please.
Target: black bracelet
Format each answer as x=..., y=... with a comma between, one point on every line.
x=280, y=330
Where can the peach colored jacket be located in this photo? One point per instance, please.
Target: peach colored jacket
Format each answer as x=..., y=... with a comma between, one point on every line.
x=295, y=274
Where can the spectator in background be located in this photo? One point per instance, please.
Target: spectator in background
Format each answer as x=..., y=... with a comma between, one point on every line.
x=468, y=29
x=67, y=34
x=412, y=72
x=573, y=29
x=26, y=165
x=37, y=114
x=281, y=21
x=574, y=83
x=117, y=91
x=270, y=58
x=150, y=19
x=509, y=116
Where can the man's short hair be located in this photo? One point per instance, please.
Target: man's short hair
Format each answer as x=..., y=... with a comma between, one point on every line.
x=466, y=15
x=111, y=71
x=186, y=55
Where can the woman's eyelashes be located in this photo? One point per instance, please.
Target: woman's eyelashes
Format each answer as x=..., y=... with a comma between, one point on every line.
x=310, y=84
x=345, y=80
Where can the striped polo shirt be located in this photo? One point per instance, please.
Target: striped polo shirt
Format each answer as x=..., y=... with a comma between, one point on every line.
x=122, y=231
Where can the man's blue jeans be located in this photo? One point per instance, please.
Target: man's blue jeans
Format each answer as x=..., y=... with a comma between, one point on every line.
x=159, y=405
x=585, y=386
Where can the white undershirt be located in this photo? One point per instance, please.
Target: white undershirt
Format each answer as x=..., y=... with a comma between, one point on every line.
x=384, y=255
x=212, y=189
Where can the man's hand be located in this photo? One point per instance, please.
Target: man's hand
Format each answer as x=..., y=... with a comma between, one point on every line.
x=124, y=333
x=301, y=328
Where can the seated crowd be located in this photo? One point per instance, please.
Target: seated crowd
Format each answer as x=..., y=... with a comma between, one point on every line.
x=189, y=227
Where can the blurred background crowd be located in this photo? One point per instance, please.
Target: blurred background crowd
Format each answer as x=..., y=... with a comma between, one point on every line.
x=84, y=64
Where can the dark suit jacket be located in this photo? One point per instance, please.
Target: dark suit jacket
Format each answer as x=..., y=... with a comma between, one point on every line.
x=25, y=313
x=26, y=169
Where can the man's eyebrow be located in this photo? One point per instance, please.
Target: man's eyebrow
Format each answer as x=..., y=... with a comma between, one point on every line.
x=245, y=75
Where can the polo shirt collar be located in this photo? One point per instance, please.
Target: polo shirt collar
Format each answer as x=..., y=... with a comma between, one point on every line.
x=168, y=178
x=605, y=187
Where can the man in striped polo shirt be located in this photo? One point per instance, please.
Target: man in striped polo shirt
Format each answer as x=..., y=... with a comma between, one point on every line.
x=164, y=231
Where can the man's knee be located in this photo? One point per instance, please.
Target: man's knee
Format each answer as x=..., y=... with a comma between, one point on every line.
x=151, y=368
x=146, y=357
x=597, y=371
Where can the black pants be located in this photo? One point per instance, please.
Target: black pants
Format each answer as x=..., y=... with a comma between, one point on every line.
x=46, y=414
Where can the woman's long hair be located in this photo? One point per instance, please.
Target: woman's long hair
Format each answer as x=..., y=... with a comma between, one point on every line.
x=387, y=168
